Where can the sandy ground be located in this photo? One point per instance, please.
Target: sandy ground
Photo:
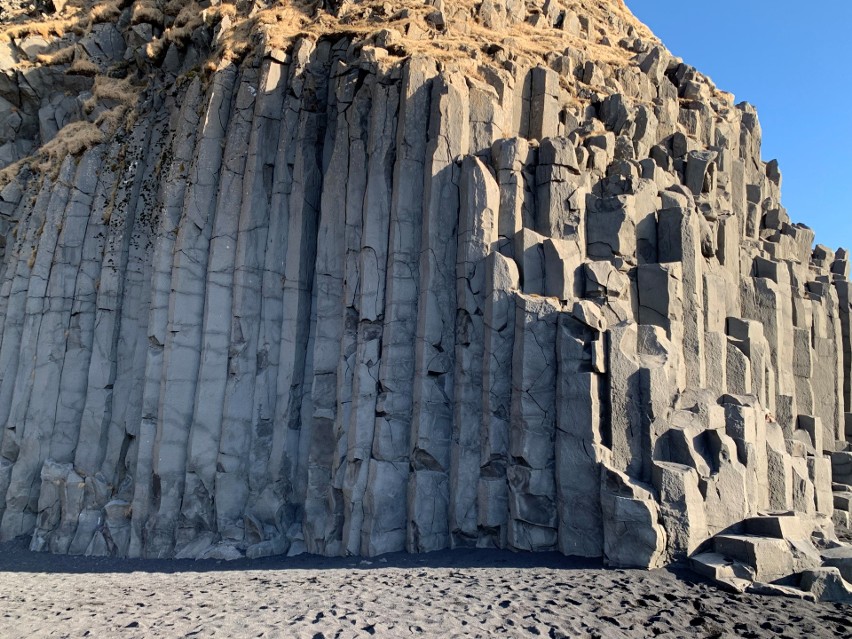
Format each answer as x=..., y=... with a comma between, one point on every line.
x=448, y=594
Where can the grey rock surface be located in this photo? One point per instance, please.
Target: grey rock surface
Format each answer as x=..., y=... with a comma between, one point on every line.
x=348, y=302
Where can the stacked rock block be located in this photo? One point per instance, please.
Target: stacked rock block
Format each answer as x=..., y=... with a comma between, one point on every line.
x=318, y=302
x=786, y=554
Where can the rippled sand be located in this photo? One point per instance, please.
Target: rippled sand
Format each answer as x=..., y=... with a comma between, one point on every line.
x=448, y=594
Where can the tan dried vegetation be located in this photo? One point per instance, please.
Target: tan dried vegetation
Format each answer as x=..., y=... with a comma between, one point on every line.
x=83, y=66
x=60, y=56
x=147, y=11
x=282, y=21
x=278, y=26
x=71, y=140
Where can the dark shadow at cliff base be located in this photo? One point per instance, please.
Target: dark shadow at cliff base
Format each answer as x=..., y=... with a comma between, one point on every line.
x=15, y=557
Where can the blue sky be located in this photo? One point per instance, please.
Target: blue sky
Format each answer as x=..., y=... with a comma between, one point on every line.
x=793, y=61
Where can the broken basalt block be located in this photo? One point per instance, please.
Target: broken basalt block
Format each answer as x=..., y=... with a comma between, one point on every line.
x=632, y=535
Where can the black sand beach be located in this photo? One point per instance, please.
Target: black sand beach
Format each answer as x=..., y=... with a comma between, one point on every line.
x=463, y=593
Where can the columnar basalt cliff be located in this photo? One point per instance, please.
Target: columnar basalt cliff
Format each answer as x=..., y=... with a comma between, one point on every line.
x=376, y=277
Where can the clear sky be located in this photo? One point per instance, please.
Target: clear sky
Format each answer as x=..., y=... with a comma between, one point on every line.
x=793, y=61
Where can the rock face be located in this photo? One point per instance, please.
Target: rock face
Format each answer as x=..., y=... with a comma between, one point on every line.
x=348, y=296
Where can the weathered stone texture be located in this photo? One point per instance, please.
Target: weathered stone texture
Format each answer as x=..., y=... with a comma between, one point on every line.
x=329, y=301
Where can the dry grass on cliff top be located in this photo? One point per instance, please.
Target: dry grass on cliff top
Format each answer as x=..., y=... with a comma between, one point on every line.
x=284, y=21
x=281, y=22
x=278, y=24
x=75, y=17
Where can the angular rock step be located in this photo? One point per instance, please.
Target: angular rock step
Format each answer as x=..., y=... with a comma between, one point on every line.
x=841, y=467
x=728, y=573
x=770, y=558
x=828, y=585
x=840, y=558
x=843, y=501
x=774, y=590
x=786, y=525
